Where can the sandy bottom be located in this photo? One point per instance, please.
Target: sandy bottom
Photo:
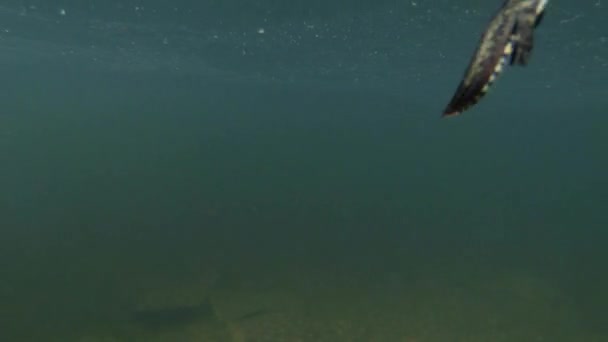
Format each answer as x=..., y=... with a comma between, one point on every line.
x=319, y=304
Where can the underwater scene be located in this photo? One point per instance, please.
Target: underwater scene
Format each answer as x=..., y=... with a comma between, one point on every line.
x=280, y=171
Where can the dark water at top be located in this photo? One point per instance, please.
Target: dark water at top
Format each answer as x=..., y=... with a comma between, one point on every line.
x=277, y=171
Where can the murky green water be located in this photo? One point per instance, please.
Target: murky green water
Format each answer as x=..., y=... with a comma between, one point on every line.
x=279, y=172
